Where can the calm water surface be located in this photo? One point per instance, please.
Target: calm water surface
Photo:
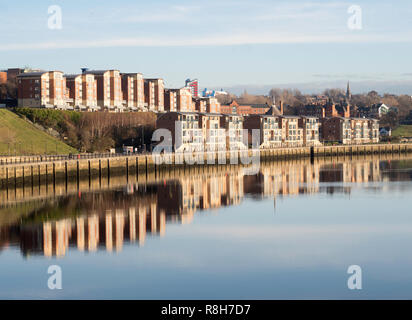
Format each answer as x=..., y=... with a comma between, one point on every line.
x=289, y=232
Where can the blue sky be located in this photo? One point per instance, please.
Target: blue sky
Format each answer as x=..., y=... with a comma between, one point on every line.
x=222, y=43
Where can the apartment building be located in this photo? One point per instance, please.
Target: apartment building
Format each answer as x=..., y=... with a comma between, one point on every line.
x=193, y=86
x=207, y=105
x=170, y=100
x=41, y=89
x=214, y=137
x=292, y=134
x=310, y=126
x=133, y=91
x=181, y=99
x=184, y=128
x=374, y=130
x=232, y=125
x=154, y=94
x=74, y=95
x=81, y=92
x=270, y=133
x=109, y=91
x=200, y=104
x=212, y=105
x=360, y=130
x=336, y=129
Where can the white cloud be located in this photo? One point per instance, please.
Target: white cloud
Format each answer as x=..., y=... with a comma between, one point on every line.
x=212, y=40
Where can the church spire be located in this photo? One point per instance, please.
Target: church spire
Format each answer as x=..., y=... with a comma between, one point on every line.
x=348, y=93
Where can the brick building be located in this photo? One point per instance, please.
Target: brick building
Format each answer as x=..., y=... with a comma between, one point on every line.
x=336, y=129
x=270, y=133
x=311, y=130
x=12, y=73
x=82, y=92
x=170, y=100
x=292, y=133
x=207, y=104
x=350, y=130
x=232, y=124
x=154, y=94
x=214, y=137
x=133, y=91
x=243, y=109
x=109, y=91
x=180, y=99
x=184, y=128
x=41, y=89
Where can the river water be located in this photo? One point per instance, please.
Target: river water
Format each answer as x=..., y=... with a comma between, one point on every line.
x=289, y=232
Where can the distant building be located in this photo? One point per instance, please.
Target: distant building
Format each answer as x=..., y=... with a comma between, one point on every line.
x=82, y=92
x=233, y=126
x=329, y=109
x=375, y=111
x=133, y=91
x=194, y=86
x=269, y=130
x=244, y=109
x=213, y=136
x=41, y=89
x=184, y=128
x=170, y=100
x=311, y=130
x=12, y=73
x=3, y=77
x=179, y=100
x=350, y=130
x=336, y=129
x=207, y=104
x=212, y=93
x=292, y=133
x=109, y=91
x=154, y=94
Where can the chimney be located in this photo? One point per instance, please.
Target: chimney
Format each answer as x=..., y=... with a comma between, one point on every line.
x=347, y=111
x=281, y=107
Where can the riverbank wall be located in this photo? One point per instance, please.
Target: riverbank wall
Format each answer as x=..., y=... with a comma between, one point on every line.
x=15, y=171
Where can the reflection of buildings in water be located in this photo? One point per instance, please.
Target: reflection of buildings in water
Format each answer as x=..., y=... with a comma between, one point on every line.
x=129, y=217
x=89, y=232
x=283, y=179
x=356, y=172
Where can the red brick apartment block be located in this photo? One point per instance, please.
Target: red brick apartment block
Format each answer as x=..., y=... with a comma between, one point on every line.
x=268, y=126
x=82, y=91
x=170, y=100
x=184, y=128
x=41, y=89
x=109, y=91
x=12, y=73
x=179, y=99
x=154, y=94
x=292, y=133
x=133, y=90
